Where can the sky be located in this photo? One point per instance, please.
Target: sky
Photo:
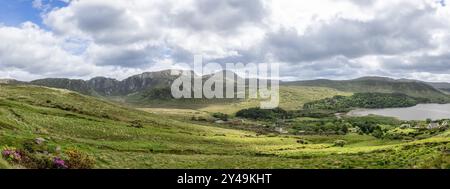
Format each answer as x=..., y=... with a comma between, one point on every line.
x=333, y=39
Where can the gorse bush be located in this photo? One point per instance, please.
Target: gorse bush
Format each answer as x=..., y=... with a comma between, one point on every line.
x=78, y=160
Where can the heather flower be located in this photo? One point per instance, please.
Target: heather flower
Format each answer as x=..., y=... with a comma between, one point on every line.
x=59, y=163
x=6, y=153
x=11, y=154
x=17, y=156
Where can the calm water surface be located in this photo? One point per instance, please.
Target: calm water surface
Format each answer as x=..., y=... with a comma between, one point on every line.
x=419, y=112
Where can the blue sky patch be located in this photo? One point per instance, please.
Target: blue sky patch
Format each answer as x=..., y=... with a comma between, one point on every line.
x=15, y=12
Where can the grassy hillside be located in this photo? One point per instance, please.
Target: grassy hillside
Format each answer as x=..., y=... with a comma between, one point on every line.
x=62, y=83
x=291, y=98
x=3, y=164
x=444, y=87
x=102, y=129
x=380, y=85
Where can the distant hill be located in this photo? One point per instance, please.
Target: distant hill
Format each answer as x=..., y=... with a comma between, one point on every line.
x=10, y=81
x=152, y=86
x=102, y=86
x=379, y=85
x=80, y=86
x=107, y=132
x=444, y=87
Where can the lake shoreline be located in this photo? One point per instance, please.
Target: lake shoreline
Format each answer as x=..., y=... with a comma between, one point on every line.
x=419, y=112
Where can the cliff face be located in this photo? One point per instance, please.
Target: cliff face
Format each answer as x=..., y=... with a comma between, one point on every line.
x=111, y=87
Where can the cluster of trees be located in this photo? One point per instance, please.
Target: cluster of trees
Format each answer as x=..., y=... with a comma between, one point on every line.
x=323, y=127
x=364, y=100
x=264, y=114
x=370, y=125
x=220, y=116
x=316, y=113
x=332, y=126
x=369, y=128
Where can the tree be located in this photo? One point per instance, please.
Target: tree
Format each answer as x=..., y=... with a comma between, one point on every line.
x=221, y=116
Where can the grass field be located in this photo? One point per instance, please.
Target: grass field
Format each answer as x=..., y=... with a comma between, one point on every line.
x=291, y=98
x=102, y=129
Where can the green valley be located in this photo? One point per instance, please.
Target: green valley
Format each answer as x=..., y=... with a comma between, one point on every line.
x=51, y=123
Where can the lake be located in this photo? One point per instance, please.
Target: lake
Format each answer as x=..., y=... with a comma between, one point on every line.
x=419, y=112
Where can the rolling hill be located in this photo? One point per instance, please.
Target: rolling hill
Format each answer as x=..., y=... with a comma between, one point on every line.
x=152, y=89
x=379, y=85
x=102, y=86
x=67, y=119
x=444, y=87
x=291, y=98
x=10, y=81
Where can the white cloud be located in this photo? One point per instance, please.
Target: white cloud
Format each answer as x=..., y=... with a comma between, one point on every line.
x=314, y=39
x=37, y=52
x=28, y=52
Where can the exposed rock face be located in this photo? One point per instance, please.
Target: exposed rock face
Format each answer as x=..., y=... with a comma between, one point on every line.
x=111, y=87
x=70, y=84
x=147, y=81
x=105, y=86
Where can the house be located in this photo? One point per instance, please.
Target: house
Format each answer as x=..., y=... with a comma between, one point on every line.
x=444, y=123
x=433, y=125
x=220, y=122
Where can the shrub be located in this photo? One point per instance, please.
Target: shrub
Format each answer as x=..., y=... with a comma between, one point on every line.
x=221, y=116
x=37, y=161
x=78, y=160
x=302, y=141
x=339, y=143
x=58, y=163
x=11, y=154
x=33, y=147
x=136, y=124
x=378, y=133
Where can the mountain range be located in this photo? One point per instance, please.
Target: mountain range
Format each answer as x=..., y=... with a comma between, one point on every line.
x=414, y=88
x=108, y=87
